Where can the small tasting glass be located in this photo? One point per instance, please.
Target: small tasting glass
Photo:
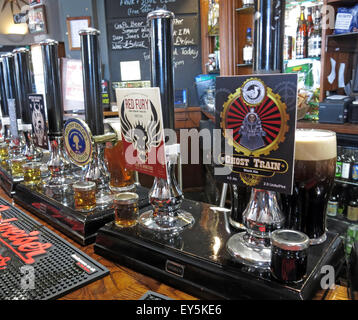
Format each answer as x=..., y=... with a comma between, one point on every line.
x=126, y=209
x=85, y=195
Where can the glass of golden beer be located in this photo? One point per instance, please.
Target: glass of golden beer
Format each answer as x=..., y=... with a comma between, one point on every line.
x=4, y=151
x=32, y=173
x=315, y=164
x=125, y=209
x=17, y=167
x=4, y=155
x=121, y=178
x=85, y=195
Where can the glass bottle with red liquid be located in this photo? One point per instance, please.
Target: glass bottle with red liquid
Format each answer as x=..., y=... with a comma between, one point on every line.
x=301, y=36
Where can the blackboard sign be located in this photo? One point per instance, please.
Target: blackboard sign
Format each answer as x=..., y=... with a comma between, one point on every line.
x=133, y=33
x=129, y=39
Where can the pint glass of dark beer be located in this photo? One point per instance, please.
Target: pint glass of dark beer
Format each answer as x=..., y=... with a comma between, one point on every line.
x=315, y=162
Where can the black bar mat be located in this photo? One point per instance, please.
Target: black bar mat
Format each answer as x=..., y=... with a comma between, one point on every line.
x=35, y=263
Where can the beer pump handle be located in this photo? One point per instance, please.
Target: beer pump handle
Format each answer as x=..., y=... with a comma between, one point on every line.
x=23, y=82
x=91, y=72
x=162, y=70
x=52, y=87
x=9, y=80
x=4, y=106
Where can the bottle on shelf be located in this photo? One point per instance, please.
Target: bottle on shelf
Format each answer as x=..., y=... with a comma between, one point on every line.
x=213, y=17
x=346, y=164
x=315, y=39
x=339, y=163
x=248, y=48
x=310, y=33
x=332, y=205
x=301, y=36
x=352, y=209
x=310, y=24
x=217, y=52
x=248, y=3
x=343, y=200
x=354, y=166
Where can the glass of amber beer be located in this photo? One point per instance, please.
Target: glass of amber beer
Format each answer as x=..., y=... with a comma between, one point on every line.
x=315, y=163
x=121, y=178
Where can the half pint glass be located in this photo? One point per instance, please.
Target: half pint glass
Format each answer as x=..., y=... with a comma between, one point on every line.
x=121, y=178
x=315, y=163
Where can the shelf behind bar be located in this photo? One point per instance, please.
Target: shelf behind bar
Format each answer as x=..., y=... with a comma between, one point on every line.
x=342, y=35
x=244, y=65
x=245, y=10
x=346, y=128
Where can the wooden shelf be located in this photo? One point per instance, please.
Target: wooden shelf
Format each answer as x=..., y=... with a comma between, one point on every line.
x=244, y=65
x=346, y=128
x=245, y=10
x=342, y=2
x=110, y=113
x=342, y=35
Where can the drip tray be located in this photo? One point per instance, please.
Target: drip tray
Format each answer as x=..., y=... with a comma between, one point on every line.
x=81, y=227
x=7, y=183
x=36, y=264
x=196, y=261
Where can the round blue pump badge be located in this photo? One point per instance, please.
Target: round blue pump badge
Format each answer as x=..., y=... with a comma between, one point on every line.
x=78, y=141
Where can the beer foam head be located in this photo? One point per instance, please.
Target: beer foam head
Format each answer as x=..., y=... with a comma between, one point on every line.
x=313, y=145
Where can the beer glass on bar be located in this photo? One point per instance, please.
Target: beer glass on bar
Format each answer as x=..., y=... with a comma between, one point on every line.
x=315, y=164
x=121, y=178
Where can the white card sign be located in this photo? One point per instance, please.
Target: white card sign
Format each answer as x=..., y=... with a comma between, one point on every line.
x=142, y=130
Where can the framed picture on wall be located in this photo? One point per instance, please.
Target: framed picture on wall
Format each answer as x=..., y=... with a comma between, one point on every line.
x=72, y=85
x=35, y=2
x=37, y=20
x=74, y=25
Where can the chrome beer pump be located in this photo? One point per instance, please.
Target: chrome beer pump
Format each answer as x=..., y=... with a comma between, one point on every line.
x=165, y=195
x=96, y=170
x=24, y=87
x=16, y=140
x=263, y=214
x=5, y=120
x=58, y=184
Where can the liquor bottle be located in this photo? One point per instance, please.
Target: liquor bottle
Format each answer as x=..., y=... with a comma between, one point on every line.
x=343, y=200
x=310, y=33
x=217, y=52
x=354, y=166
x=346, y=164
x=310, y=24
x=352, y=210
x=317, y=35
x=248, y=3
x=248, y=48
x=301, y=36
x=332, y=205
x=339, y=163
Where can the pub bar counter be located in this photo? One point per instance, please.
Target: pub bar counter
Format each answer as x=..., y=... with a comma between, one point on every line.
x=125, y=284
x=179, y=247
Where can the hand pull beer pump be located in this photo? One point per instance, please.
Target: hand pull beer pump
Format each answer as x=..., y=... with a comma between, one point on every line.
x=5, y=120
x=60, y=181
x=165, y=195
x=262, y=215
x=24, y=87
x=96, y=170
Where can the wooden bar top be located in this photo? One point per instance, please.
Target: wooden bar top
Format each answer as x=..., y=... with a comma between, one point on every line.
x=125, y=284
x=345, y=128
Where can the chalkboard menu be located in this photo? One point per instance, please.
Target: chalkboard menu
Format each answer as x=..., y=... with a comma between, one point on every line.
x=128, y=39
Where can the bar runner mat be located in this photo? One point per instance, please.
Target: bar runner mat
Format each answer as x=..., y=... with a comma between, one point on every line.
x=35, y=263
